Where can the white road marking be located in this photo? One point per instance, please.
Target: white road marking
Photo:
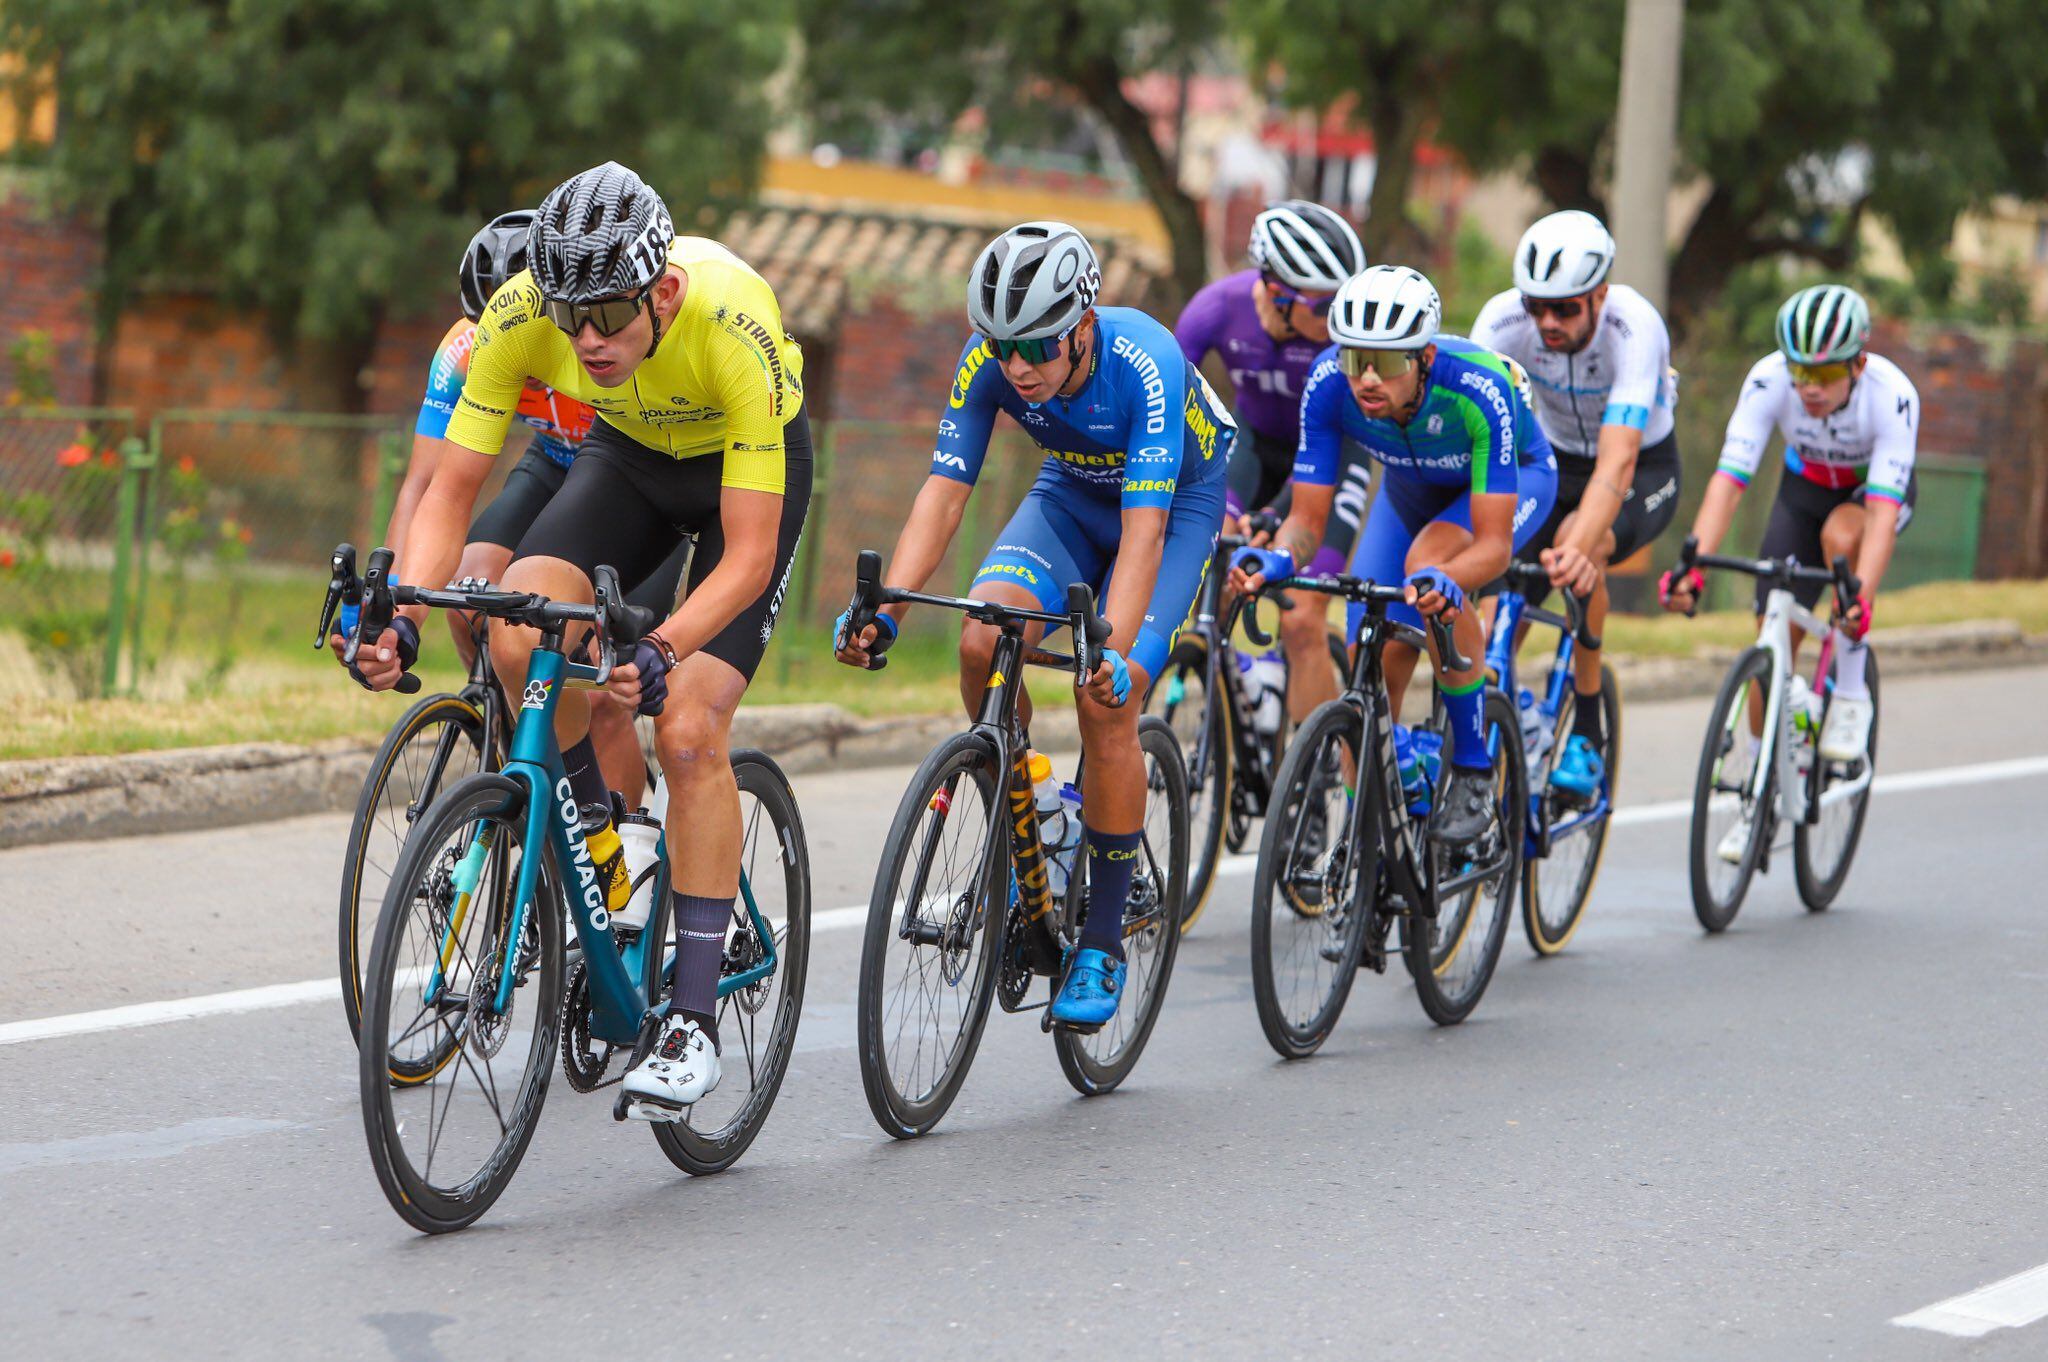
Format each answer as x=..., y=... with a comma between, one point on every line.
x=855, y=915
x=2013, y=1303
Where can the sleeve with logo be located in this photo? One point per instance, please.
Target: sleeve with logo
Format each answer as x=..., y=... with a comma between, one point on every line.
x=444, y=381
x=1643, y=359
x=501, y=357
x=1749, y=427
x=1154, y=380
x=970, y=415
x=1323, y=396
x=1892, y=453
x=751, y=381
x=1488, y=413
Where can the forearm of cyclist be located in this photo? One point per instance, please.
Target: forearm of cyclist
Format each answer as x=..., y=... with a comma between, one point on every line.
x=751, y=521
x=1301, y=534
x=1717, y=512
x=1880, y=537
x=1614, y=468
x=440, y=521
x=1492, y=546
x=419, y=474
x=934, y=519
x=1135, y=575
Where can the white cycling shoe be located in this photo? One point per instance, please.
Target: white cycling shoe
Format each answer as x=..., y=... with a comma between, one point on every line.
x=680, y=1070
x=1847, y=734
x=1736, y=844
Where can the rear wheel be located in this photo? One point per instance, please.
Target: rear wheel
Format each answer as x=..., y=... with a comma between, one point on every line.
x=1312, y=894
x=934, y=935
x=1823, y=849
x=756, y=1024
x=1452, y=956
x=1555, y=887
x=1202, y=723
x=1729, y=813
x=1095, y=1063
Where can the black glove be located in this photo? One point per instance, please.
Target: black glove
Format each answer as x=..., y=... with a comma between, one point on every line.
x=652, y=665
x=408, y=648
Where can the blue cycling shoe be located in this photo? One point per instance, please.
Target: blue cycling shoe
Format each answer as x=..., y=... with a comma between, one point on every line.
x=1094, y=986
x=1579, y=771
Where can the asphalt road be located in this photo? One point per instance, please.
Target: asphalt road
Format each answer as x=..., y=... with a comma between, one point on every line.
x=1765, y=1145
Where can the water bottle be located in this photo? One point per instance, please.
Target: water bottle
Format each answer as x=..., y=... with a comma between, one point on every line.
x=1428, y=745
x=640, y=835
x=1265, y=690
x=1806, y=706
x=1535, y=731
x=1059, y=826
x=1416, y=781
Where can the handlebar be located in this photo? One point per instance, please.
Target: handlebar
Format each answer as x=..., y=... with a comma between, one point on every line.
x=1376, y=599
x=617, y=623
x=1091, y=630
x=1520, y=575
x=1778, y=571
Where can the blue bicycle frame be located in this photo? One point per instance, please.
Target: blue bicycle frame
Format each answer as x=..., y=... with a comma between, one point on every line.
x=1500, y=659
x=617, y=1006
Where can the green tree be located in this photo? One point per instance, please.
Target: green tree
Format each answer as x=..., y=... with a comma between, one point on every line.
x=934, y=59
x=324, y=160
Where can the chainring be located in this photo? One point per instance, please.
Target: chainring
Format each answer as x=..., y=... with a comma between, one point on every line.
x=584, y=1069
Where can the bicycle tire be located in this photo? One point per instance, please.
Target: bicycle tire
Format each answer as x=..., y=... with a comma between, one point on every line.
x=1190, y=656
x=1096, y=1063
x=1715, y=911
x=1549, y=934
x=1818, y=888
x=976, y=928
x=354, y=926
x=700, y=1152
x=1428, y=960
x=1334, y=937
x=428, y=1206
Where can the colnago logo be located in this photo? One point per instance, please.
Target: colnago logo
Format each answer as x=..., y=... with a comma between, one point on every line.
x=536, y=695
x=587, y=888
x=970, y=364
x=1148, y=374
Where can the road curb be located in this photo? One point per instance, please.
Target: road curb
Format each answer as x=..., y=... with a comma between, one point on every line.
x=62, y=799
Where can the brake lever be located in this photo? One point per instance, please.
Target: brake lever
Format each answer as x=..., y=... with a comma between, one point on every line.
x=1447, y=645
x=343, y=588
x=1252, y=630
x=1091, y=632
x=863, y=608
x=377, y=614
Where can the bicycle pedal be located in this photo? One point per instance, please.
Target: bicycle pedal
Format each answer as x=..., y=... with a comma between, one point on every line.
x=652, y=1112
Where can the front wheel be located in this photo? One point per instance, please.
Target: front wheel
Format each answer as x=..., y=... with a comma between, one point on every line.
x=1095, y=1063
x=1555, y=887
x=1823, y=849
x=446, y=1143
x=1731, y=808
x=757, y=1021
x=1201, y=721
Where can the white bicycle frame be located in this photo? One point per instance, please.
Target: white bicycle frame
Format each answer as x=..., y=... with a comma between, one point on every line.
x=1781, y=611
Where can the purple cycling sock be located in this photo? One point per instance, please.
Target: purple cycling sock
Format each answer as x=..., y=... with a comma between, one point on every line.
x=700, y=951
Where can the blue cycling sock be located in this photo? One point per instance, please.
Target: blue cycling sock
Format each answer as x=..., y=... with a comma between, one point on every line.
x=1467, y=707
x=1112, y=857
x=700, y=951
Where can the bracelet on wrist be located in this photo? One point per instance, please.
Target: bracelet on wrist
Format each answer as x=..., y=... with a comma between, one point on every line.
x=664, y=647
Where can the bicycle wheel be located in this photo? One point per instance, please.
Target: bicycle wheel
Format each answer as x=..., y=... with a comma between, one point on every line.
x=1823, y=849
x=1555, y=887
x=446, y=1146
x=1304, y=963
x=1201, y=722
x=1095, y=1063
x=1722, y=803
x=934, y=934
x=756, y=1024
x=1451, y=956
x=439, y=741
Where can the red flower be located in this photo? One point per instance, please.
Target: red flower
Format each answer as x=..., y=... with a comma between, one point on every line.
x=186, y=466
x=107, y=458
x=72, y=456
x=6, y=558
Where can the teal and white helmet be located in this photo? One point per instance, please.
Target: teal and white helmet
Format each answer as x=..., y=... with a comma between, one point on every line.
x=1823, y=324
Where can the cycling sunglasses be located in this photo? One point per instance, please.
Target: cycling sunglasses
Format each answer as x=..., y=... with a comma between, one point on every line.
x=1285, y=298
x=1817, y=375
x=609, y=315
x=1039, y=350
x=1388, y=364
x=1564, y=309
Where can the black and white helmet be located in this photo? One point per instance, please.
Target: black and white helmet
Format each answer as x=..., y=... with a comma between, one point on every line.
x=1034, y=280
x=1563, y=255
x=599, y=235
x=1305, y=246
x=1388, y=307
x=495, y=254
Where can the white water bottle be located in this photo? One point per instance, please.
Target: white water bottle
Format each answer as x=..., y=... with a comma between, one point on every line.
x=1535, y=734
x=1052, y=820
x=640, y=835
x=1805, y=705
x=1265, y=683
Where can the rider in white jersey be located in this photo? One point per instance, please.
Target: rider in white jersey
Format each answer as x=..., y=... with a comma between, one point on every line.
x=1850, y=422
x=1599, y=365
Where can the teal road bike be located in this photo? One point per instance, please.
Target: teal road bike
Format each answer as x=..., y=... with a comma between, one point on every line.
x=472, y=989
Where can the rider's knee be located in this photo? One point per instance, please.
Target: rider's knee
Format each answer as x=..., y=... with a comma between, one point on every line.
x=977, y=647
x=1100, y=722
x=693, y=735
x=1302, y=628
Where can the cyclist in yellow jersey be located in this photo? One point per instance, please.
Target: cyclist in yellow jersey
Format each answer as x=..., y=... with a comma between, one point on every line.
x=679, y=346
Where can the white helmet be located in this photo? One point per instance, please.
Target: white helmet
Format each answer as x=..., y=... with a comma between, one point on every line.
x=1305, y=245
x=1563, y=255
x=1034, y=280
x=1389, y=307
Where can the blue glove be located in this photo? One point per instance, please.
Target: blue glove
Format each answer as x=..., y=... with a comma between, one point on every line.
x=1119, y=676
x=351, y=614
x=408, y=648
x=1437, y=580
x=1275, y=565
x=653, y=668
x=885, y=632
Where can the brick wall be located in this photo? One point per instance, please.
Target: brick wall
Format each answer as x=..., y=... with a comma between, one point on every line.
x=51, y=263
x=1985, y=398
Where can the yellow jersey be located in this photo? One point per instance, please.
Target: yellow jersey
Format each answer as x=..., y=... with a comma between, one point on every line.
x=724, y=377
